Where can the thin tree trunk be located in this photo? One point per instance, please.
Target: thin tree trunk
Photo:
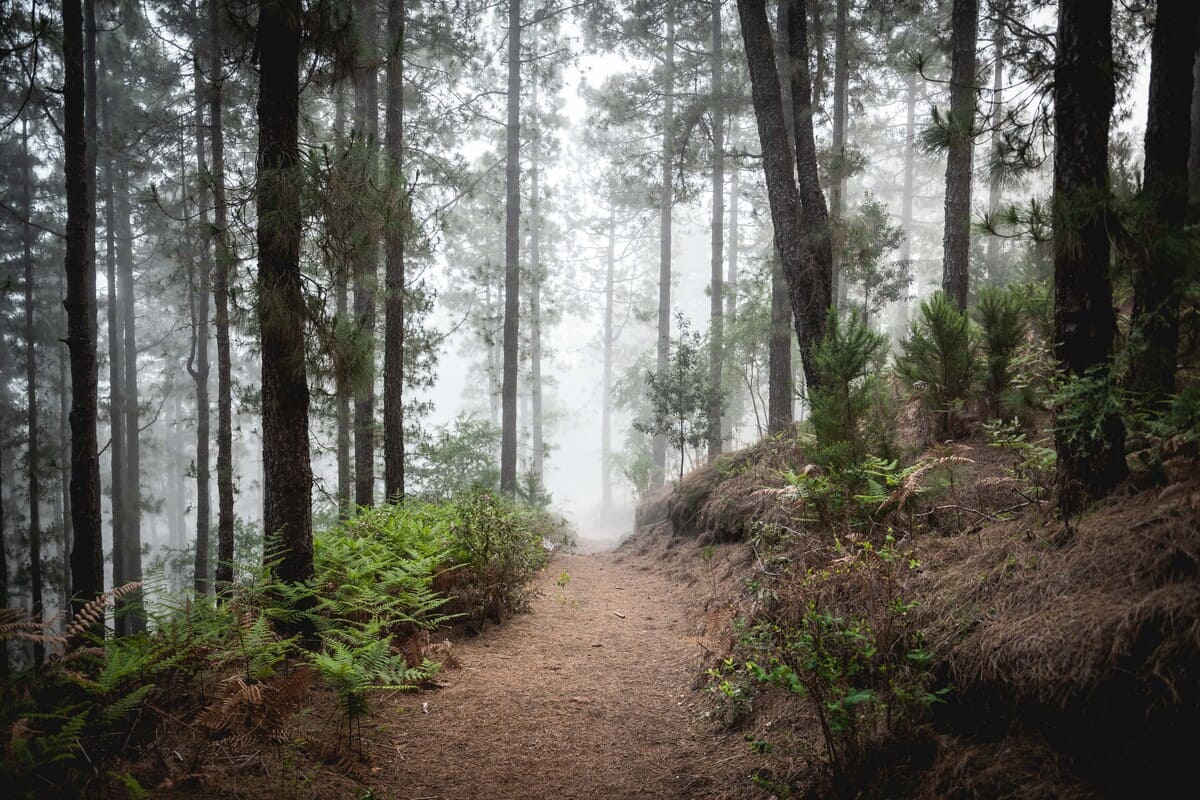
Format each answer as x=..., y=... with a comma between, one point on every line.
x=735, y=400
x=198, y=368
x=1089, y=465
x=666, y=204
x=779, y=355
x=64, y=457
x=87, y=558
x=33, y=455
x=393, y=348
x=512, y=256
x=956, y=241
x=717, y=272
x=366, y=123
x=116, y=351
x=287, y=470
x=134, y=619
x=1157, y=279
x=1194, y=146
x=223, y=267
x=342, y=389
x=841, y=107
x=606, y=399
x=910, y=175
x=992, y=258
x=537, y=433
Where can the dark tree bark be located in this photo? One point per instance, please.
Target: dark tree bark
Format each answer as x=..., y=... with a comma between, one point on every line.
x=1084, y=322
x=198, y=366
x=64, y=455
x=956, y=240
x=1163, y=257
x=1194, y=147
x=222, y=268
x=806, y=262
x=716, y=351
x=366, y=124
x=666, y=203
x=393, y=347
x=87, y=558
x=33, y=454
x=780, y=393
x=512, y=257
x=287, y=471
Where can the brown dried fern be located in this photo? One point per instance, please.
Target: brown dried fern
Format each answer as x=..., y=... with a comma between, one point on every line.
x=93, y=612
x=912, y=484
x=248, y=706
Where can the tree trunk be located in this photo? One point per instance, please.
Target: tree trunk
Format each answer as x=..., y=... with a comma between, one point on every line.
x=198, y=368
x=393, y=346
x=910, y=183
x=287, y=472
x=538, y=445
x=841, y=108
x=956, y=240
x=716, y=342
x=992, y=258
x=222, y=269
x=665, y=207
x=734, y=400
x=512, y=258
x=1089, y=465
x=116, y=349
x=133, y=620
x=606, y=399
x=64, y=458
x=805, y=260
x=779, y=355
x=1194, y=146
x=366, y=123
x=33, y=456
x=1164, y=259
x=87, y=558
x=345, y=475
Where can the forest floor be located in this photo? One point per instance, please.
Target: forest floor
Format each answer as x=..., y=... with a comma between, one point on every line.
x=590, y=695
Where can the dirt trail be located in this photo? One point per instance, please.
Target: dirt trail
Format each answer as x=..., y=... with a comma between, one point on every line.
x=588, y=696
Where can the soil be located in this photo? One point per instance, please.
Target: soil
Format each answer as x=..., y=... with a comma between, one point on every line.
x=590, y=695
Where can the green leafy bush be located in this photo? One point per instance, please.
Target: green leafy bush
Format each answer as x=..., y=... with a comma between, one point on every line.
x=841, y=638
x=939, y=359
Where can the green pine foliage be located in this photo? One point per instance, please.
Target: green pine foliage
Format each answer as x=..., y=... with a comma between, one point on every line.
x=999, y=313
x=939, y=359
x=847, y=360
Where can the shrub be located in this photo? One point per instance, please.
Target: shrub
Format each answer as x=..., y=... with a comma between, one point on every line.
x=1003, y=330
x=845, y=360
x=939, y=358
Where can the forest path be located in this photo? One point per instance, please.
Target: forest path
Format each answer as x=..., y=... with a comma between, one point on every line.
x=590, y=695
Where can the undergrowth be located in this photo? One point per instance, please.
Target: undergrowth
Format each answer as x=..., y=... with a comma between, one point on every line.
x=383, y=581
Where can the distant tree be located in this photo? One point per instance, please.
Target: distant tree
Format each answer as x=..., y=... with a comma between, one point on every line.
x=681, y=399
x=512, y=248
x=870, y=241
x=287, y=473
x=1091, y=454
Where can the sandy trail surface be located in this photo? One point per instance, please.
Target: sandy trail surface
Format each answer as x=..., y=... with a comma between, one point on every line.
x=590, y=695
